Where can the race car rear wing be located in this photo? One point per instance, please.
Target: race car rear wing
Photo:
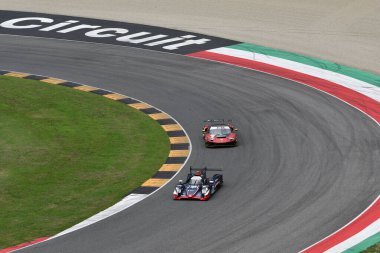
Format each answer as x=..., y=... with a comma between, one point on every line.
x=217, y=121
x=214, y=120
x=204, y=169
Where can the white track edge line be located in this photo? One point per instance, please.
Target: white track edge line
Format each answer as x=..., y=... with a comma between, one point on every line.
x=343, y=226
x=356, y=239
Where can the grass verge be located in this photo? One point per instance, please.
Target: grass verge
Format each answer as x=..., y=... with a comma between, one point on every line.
x=66, y=155
x=373, y=249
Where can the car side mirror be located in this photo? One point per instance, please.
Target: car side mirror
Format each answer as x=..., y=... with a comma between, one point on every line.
x=180, y=181
x=236, y=129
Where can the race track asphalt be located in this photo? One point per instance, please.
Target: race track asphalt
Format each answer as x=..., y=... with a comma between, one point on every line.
x=306, y=164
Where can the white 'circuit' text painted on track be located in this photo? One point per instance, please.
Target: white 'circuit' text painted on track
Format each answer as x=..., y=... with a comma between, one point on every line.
x=96, y=31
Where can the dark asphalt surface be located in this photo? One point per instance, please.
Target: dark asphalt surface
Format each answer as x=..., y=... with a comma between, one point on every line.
x=306, y=165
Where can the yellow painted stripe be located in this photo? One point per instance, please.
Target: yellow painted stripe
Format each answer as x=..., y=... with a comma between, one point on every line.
x=171, y=127
x=17, y=74
x=53, y=81
x=115, y=96
x=178, y=153
x=140, y=106
x=177, y=140
x=85, y=88
x=155, y=182
x=157, y=116
x=170, y=167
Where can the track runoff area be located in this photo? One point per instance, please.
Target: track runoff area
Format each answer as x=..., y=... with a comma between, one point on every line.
x=358, y=89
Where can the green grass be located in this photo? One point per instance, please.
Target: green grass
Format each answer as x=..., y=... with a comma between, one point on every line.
x=373, y=249
x=66, y=155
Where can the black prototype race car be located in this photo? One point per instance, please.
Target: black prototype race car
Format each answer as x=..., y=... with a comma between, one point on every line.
x=198, y=186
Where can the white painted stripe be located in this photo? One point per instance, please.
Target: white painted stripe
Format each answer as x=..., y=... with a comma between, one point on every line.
x=123, y=204
x=372, y=229
x=364, y=88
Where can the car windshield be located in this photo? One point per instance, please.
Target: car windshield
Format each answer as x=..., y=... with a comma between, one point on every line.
x=196, y=180
x=220, y=130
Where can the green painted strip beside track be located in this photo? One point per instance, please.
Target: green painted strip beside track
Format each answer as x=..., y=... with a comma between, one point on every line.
x=361, y=247
x=323, y=64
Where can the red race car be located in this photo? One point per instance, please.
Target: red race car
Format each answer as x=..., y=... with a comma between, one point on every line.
x=218, y=133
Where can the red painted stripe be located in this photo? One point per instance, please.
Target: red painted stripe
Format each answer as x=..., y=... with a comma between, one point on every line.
x=22, y=245
x=354, y=98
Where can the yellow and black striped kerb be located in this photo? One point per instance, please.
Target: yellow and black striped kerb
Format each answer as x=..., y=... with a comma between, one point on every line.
x=179, y=146
x=179, y=142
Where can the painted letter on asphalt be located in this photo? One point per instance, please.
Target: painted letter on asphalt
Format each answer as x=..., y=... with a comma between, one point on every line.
x=59, y=25
x=186, y=43
x=12, y=23
x=97, y=33
x=129, y=38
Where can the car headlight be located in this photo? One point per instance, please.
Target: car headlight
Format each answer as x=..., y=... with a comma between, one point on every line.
x=232, y=139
